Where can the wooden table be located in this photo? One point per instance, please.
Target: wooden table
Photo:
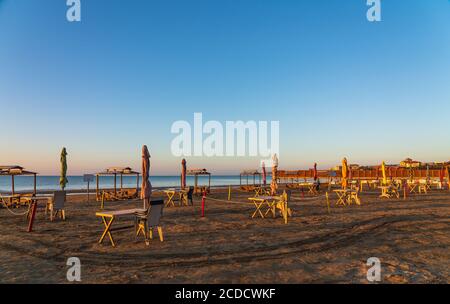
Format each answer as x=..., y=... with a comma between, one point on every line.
x=311, y=187
x=272, y=203
x=260, y=201
x=347, y=196
x=371, y=184
x=261, y=190
x=389, y=192
x=171, y=194
x=108, y=218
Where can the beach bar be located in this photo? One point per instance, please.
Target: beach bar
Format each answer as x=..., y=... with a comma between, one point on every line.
x=14, y=171
x=116, y=171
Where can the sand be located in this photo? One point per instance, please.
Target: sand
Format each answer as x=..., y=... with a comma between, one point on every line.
x=411, y=238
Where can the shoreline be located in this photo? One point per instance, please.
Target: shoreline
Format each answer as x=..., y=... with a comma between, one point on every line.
x=93, y=191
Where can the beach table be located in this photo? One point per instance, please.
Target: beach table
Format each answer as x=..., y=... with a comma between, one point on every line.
x=311, y=187
x=347, y=196
x=260, y=201
x=389, y=192
x=371, y=184
x=272, y=203
x=108, y=218
x=170, y=195
x=260, y=190
x=417, y=187
x=424, y=186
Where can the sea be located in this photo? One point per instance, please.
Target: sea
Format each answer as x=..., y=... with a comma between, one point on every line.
x=49, y=183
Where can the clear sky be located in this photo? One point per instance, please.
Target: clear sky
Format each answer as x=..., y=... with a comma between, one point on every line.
x=339, y=85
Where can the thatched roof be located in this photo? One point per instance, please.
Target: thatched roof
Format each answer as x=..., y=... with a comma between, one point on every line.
x=250, y=172
x=197, y=172
x=14, y=170
x=118, y=170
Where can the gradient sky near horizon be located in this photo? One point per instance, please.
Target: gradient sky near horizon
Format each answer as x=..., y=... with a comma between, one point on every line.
x=339, y=85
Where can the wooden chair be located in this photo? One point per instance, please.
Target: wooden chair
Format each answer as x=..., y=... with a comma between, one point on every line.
x=282, y=205
x=56, y=205
x=187, y=197
x=150, y=219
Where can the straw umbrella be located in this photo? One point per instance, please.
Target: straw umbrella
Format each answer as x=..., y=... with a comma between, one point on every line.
x=146, y=188
x=383, y=171
x=344, y=173
x=183, y=173
x=63, y=176
x=264, y=173
x=273, y=184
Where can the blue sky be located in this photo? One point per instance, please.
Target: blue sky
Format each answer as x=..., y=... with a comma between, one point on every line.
x=339, y=85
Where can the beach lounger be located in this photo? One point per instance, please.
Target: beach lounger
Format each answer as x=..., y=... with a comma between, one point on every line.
x=149, y=220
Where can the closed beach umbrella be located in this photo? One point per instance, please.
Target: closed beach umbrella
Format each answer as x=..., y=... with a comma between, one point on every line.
x=428, y=172
x=441, y=175
x=264, y=173
x=146, y=188
x=315, y=171
x=63, y=176
x=344, y=173
x=383, y=171
x=183, y=173
x=273, y=184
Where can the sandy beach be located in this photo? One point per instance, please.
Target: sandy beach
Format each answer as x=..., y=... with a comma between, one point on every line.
x=411, y=238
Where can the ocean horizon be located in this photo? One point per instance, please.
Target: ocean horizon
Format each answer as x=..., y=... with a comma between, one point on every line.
x=76, y=182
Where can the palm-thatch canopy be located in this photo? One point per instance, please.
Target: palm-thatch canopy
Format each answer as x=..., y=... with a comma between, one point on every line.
x=247, y=173
x=15, y=171
x=121, y=171
x=196, y=173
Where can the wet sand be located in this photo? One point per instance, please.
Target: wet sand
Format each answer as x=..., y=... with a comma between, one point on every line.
x=411, y=238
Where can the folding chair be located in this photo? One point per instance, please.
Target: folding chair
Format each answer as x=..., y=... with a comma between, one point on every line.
x=147, y=221
x=187, y=197
x=57, y=205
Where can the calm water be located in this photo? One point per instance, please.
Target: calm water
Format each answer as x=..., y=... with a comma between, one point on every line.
x=23, y=183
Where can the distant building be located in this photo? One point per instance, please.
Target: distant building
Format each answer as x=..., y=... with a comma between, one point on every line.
x=410, y=163
x=441, y=164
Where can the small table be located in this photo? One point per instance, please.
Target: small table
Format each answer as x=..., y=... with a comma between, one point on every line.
x=311, y=187
x=389, y=192
x=413, y=187
x=273, y=203
x=424, y=187
x=346, y=196
x=261, y=190
x=108, y=218
x=170, y=194
x=263, y=200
